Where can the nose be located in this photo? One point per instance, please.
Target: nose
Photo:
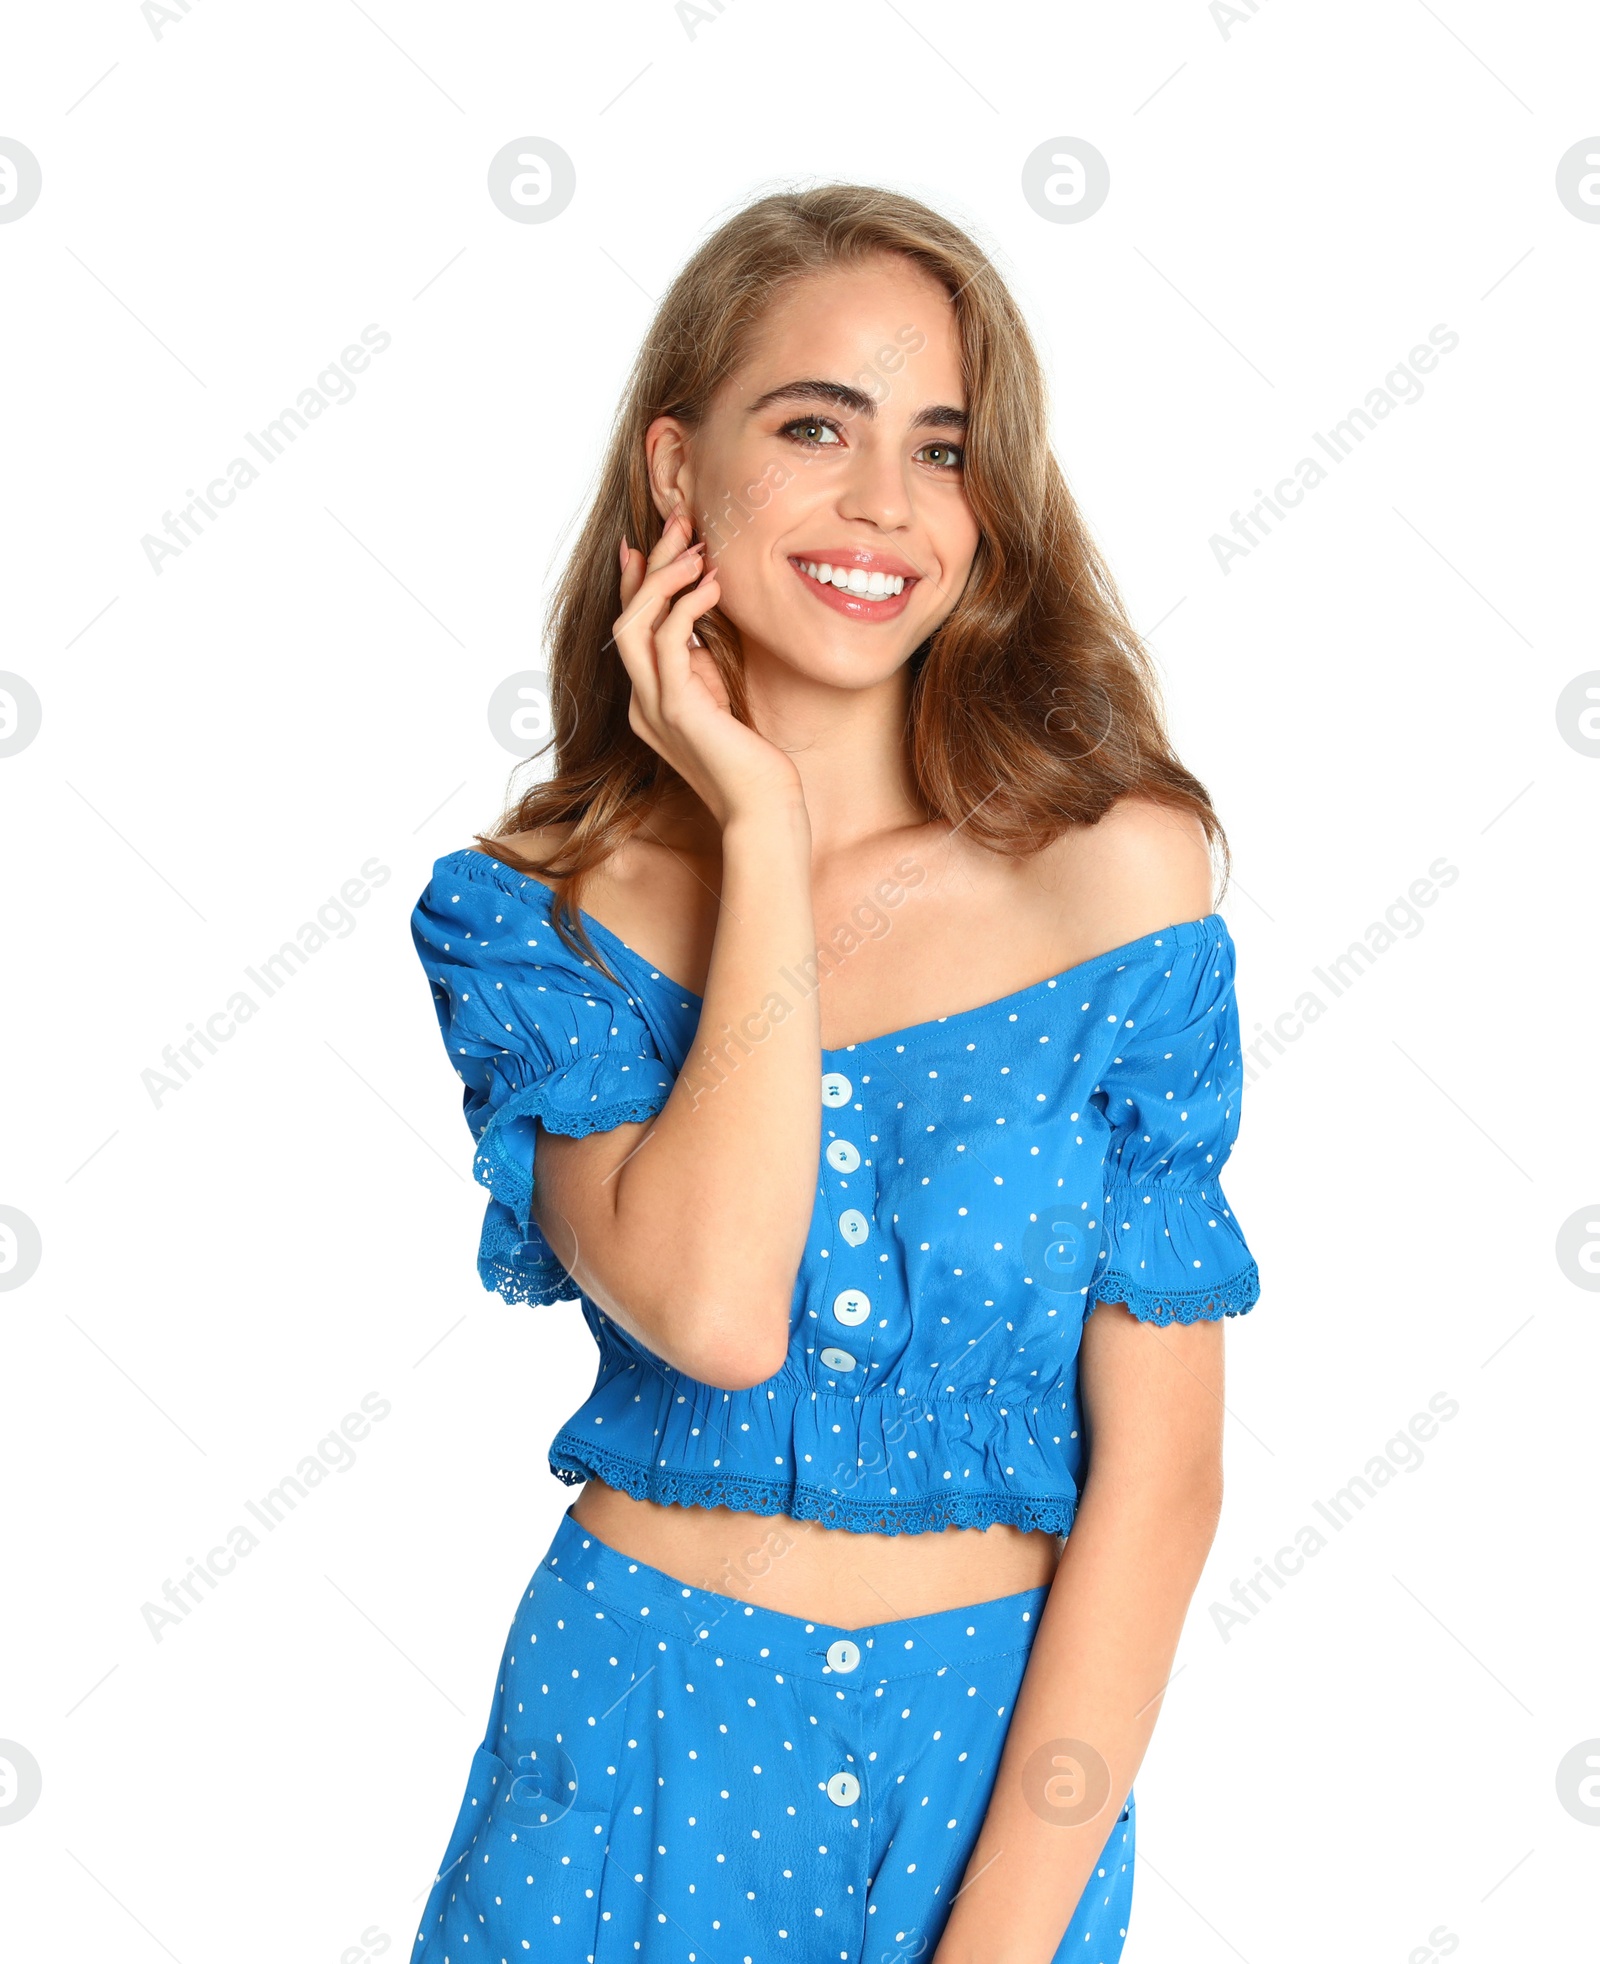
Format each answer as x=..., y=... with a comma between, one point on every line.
x=878, y=488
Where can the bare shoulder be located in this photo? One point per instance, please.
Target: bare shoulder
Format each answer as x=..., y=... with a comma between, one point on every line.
x=1144, y=866
x=657, y=894
x=536, y=845
x=626, y=878
x=1160, y=849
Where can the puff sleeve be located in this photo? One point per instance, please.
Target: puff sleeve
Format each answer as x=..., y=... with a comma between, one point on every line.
x=1171, y=1248
x=538, y=1036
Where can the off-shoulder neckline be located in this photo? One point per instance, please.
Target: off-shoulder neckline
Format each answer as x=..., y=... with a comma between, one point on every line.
x=1179, y=932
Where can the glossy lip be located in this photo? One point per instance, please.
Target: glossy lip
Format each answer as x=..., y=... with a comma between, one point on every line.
x=862, y=556
x=857, y=605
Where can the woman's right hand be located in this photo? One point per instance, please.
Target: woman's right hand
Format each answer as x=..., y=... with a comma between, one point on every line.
x=679, y=704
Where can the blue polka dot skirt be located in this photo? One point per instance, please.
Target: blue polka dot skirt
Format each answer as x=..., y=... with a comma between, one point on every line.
x=675, y=1776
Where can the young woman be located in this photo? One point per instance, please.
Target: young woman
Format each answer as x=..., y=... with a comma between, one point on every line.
x=872, y=1103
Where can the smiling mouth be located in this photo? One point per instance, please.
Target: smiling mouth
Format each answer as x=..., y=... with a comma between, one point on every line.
x=856, y=587
x=854, y=580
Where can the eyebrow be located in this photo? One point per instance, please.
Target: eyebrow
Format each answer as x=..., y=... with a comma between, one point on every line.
x=841, y=395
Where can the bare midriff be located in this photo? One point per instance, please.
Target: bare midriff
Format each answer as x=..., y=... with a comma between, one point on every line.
x=826, y=1575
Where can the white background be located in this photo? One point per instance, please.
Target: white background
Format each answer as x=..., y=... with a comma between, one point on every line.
x=1294, y=204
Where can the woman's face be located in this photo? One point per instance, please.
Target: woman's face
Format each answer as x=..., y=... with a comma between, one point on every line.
x=836, y=447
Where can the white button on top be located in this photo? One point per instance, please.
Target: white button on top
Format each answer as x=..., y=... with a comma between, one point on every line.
x=836, y=1089
x=837, y=1360
x=842, y=1156
x=853, y=1226
x=852, y=1306
x=843, y=1789
x=843, y=1655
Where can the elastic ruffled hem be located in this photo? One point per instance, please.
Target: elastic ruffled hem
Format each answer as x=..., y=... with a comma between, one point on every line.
x=514, y=1259
x=1231, y=1298
x=518, y=1267
x=1165, y=1242
x=504, y=1160
x=572, y=1461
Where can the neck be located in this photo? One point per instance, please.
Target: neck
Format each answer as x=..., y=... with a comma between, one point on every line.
x=848, y=745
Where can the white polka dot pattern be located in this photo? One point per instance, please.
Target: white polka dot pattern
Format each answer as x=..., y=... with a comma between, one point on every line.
x=674, y=1776
x=984, y=1179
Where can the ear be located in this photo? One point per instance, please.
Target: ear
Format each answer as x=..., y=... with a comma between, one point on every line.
x=666, y=449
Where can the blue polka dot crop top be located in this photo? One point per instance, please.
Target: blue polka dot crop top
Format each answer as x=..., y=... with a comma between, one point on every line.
x=984, y=1179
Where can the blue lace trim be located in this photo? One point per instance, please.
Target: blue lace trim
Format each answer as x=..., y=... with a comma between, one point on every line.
x=520, y=1267
x=514, y=1258
x=1231, y=1298
x=506, y=1177
x=573, y=1461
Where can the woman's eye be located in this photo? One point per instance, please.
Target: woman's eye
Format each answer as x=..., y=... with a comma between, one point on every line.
x=811, y=429
x=943, y=456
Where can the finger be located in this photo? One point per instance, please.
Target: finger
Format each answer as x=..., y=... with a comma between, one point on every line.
x=672, y=639
x=635, y=629
x=648, y=607
x=675, y=535
x=650, y=600
x=635, y=564
x=632, y=572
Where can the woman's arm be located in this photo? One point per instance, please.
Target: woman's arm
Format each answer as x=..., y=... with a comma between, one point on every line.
x=689, y=1230
x=1152, y=1400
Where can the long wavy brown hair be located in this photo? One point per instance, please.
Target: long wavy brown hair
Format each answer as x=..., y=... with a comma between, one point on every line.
x=1033, y=707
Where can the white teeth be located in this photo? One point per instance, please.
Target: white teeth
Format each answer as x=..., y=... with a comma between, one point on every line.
x=852, y=579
